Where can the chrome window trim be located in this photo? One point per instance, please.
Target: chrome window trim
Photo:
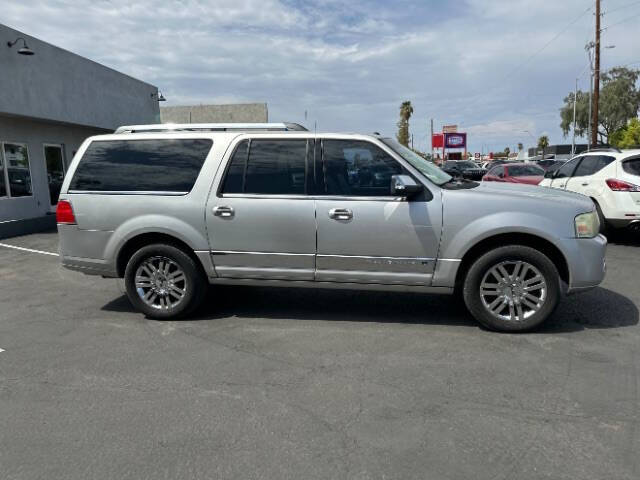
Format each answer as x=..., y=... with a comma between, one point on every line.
x=313, y=197
x=117, y=192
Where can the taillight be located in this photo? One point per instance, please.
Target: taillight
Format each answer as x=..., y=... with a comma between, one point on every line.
x=64, y=213
x=622, y=186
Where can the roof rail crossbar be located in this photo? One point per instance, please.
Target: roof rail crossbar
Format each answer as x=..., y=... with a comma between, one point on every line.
x=210, y=127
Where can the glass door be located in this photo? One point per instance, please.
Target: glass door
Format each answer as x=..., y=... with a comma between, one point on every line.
x=54, y=160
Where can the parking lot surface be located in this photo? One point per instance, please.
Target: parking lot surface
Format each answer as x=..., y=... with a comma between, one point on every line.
x=303, y=384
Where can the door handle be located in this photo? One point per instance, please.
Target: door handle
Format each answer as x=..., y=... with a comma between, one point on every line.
x=585, y=184
x=562, y=185
x=340, y=214
x=223, y=211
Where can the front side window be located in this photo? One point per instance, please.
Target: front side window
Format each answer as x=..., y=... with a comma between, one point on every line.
x=567, y=169
x=160, y=165
x=18, y=173
x=268, y=167
x=424, y=166
x=592, y=164
x=358, y=168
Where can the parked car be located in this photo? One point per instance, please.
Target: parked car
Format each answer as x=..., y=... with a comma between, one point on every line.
x=464, y=169
x=610, y=177
x=515, y=173
x=173, y=209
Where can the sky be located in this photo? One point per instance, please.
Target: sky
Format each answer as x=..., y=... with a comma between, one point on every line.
x=499, y=69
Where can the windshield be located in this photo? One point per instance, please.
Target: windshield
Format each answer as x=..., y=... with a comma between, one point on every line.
x=427, y=168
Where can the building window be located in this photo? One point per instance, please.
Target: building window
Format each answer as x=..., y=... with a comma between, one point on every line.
x=16, y=174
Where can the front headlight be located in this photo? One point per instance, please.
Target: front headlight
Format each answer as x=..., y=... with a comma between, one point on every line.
x=587, y=225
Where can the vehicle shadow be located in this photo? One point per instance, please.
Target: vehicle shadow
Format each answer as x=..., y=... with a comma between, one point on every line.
x=597, y=309
x=624, y=237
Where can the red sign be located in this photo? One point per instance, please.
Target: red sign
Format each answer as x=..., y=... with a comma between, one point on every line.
x=437, y=140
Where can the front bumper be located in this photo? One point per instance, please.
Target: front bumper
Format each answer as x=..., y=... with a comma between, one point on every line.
x=586, y=260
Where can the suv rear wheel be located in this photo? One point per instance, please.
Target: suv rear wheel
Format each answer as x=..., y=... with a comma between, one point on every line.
x=164, y=282
x=512, y=288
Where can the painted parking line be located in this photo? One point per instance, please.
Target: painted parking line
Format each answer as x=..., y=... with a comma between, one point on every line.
x=31, y=250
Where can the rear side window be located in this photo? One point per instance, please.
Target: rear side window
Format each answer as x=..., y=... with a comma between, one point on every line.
x=525, y=171
x=271, y=167
x=592, y=164
x=165, y=165
x=632, y=167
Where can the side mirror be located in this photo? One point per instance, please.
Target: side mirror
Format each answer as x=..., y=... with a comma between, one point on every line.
x=550, y=174
x=405, y=186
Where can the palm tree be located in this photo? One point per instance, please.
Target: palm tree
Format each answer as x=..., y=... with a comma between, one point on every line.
x=543, y=142
x=406, y=110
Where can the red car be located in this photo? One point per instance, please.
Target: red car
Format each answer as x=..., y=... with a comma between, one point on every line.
x=515, y=173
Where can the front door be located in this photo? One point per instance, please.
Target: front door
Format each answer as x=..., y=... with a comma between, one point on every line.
x=54, y=161
x=365, y=235
x=261, y=222
x=564, y=173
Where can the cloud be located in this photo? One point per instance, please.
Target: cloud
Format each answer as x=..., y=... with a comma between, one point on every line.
x=348, y=64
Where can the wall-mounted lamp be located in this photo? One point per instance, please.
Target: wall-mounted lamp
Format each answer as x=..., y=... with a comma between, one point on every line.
x=159, y=96
x=24, y=50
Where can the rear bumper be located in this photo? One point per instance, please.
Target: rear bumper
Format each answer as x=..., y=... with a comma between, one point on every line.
x=90, y=266
x=586, y=260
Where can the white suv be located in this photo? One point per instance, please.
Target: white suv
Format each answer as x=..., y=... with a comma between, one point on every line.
x=611, y=178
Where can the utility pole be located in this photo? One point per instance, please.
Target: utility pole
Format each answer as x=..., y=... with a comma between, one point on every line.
x=575, y=101
x=432, y=159
x=596, y=80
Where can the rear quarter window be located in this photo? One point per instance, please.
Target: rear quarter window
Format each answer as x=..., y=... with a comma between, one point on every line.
x=632, y=167
x=159, y=165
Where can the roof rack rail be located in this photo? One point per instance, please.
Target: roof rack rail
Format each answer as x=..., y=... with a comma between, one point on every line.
x=604, y=149
x=210, y=127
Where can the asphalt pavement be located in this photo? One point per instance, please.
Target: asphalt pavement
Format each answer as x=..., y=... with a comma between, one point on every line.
x=270, y=383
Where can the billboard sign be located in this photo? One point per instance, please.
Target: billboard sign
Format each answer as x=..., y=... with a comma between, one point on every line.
x=449, y=128
x=455, y=140
x=437, y=140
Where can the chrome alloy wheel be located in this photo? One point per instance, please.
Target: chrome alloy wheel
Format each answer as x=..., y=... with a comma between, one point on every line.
x=513, y=290
x=161, y=283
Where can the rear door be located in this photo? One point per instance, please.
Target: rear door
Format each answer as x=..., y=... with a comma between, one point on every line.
x=260, y=221
x=365, y=235
x=584, y=179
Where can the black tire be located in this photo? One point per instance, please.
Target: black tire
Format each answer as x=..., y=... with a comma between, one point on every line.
x=194, y=285
x=604, y=227
x=505, y=256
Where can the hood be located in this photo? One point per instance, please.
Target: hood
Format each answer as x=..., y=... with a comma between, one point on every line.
x=535, y=193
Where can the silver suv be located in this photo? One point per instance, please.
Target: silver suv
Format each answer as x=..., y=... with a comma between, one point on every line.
x=172, y=209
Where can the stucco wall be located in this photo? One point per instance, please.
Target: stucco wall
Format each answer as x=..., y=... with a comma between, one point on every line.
x=58, y=85
x=236, y=113
x=35, y=134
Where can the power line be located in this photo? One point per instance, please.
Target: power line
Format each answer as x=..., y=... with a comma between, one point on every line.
x=621, y=21
x=621, y=7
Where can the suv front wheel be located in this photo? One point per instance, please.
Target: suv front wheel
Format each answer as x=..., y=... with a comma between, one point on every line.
x=164, y=282
x=512, y=288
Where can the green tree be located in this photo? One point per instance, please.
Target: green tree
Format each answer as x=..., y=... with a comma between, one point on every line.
x=543, y=142
x=406, y=110
x=507, y=151
x=627, y=137
x=619, y=102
